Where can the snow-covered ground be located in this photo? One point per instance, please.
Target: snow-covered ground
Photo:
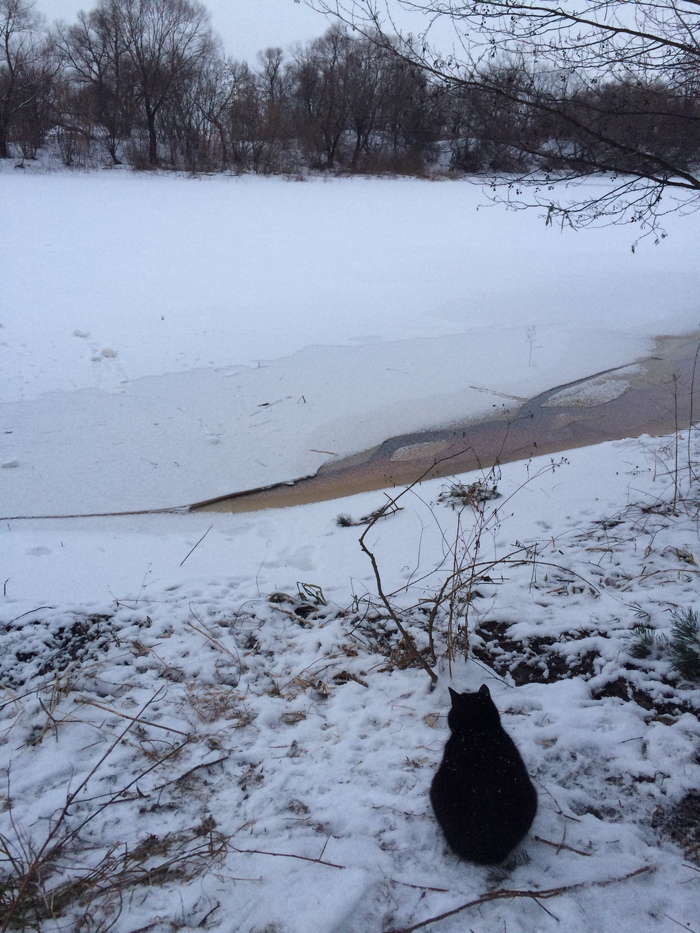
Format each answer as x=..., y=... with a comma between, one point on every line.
x=212, y=744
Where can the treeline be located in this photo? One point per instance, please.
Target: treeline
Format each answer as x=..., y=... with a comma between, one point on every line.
x=147, y=83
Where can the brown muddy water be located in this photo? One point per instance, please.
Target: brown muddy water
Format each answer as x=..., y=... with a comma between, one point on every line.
x=655, y=395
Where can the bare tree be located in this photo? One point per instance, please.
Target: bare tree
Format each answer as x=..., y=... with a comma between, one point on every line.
x=243, y=117
x=319, y=90
x=188, y=118
x=211, y=101
x=358, y=106
x=164, y=42
x=167, y=41
x=273, y=84
x=26, y=68
x=366, y=89
x=413, y=115
x=254, y=120
x=95, y=52
x=594, y=76
x=133, y=57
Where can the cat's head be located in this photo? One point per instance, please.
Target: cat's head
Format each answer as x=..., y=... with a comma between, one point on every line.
x=472, y=711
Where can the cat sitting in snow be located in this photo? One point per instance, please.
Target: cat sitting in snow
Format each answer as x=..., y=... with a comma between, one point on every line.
x=482, y=796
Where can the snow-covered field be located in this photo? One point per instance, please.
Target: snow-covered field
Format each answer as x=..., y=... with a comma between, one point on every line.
x=209, y=720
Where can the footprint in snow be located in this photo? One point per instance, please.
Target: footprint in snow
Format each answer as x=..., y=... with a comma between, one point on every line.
x=106, y=354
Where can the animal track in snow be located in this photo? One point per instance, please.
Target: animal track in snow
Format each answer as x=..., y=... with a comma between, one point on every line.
x=105, y=354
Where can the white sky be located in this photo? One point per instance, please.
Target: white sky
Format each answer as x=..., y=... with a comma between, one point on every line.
x=246, y=26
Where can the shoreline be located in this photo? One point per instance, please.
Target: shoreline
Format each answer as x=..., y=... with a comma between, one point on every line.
x=655, y=395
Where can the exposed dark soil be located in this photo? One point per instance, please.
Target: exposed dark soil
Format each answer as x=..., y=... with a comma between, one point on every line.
x=533, y=660
x=681, y=822
x=546, y=659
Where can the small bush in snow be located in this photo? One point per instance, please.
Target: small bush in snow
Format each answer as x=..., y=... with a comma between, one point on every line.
x=684, y=647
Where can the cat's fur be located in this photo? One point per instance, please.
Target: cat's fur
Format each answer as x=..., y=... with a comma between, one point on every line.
x=482, y=795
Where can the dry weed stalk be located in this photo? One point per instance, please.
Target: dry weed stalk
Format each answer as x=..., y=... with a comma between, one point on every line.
x=121, y=868
x=407, y=638
x=24, y=884
x=463, y=565
x=692, y=476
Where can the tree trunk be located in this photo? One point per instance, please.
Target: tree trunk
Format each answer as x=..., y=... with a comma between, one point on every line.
x=152, y=138
x=224, y=147
x=358, y=148
x=4, y=145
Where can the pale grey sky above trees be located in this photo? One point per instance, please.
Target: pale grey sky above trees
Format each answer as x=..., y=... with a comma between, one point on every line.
x=245, y=26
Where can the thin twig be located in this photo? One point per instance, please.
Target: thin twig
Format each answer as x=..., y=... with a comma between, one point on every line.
x=144, y=722
x=196, y=545
x=205, y=633
x=52, y=843
x=183, y=777
x=653, y=573
x=304, y=858
x=504, y=894
x=419, y=887
x=561, y=845
x=408, y=640
x=676, y=478
x=690, y=415
x=29, y=612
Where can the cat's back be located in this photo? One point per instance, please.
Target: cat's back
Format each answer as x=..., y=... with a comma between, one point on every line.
x=482, y=795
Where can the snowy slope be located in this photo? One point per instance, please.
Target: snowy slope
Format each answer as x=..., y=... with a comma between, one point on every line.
x=212, y=745
x=298, y=801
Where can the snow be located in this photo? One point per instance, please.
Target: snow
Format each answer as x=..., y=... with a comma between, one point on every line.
x=229, y=329
x=169, y=339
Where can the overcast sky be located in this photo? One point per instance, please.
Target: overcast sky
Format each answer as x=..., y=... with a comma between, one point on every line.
x=246, y=26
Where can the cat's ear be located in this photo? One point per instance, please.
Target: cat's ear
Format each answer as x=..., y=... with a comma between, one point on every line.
x=484, y=691
x=454, y=695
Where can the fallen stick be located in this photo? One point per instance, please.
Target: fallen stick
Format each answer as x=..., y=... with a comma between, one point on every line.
x=504, y=894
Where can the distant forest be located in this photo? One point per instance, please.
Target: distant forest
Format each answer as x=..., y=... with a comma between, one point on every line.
x=147, y=83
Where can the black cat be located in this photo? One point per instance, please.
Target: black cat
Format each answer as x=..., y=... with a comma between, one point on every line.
x=482, y=795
